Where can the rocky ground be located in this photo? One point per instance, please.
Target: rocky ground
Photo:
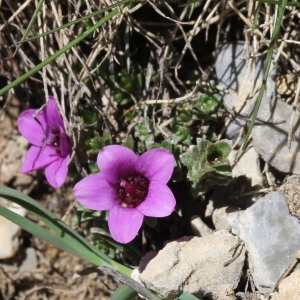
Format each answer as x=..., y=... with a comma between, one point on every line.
x=242, y=240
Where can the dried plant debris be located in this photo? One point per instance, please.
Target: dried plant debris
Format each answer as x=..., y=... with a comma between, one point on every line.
x=178, y=75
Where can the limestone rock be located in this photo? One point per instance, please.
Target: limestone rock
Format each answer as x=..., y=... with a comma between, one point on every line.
x=199, y=227
x=247, y=165
x=289, y=288
x=271, y=235
x=220, y=217
x=196, y=265
x=291, y=191
x=9, y=231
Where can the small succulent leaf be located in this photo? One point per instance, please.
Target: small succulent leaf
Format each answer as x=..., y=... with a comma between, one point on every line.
x=187, y=159
x=129, y=143
x=209, y=104
x=222, y=148
x=164, y=144
x=207, y=165
x=98, y=142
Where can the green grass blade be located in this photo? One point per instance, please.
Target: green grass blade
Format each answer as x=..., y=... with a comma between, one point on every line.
x=278, y=2
x=130, y=282
x=37, y=10
x=188, y=296
x=266, y=69
x=73, y=22
x=60, y=228
x=59, y=52
x=61, y=243
x=256, y=15
x=124, y=292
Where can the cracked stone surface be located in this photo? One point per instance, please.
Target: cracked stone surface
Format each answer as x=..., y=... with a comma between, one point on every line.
x=271, y=235
x=276, y=117
x=241, y=77
x=196, y=265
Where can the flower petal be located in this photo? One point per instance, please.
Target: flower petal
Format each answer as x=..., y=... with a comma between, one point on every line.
x=160, y=201
x=124, y=223
x=156, y=164
x=53, y=117
x=65, y=144
x=56, y=172
x=116, y=162
x=38, y=157
x=30, y=128
x=94, y=192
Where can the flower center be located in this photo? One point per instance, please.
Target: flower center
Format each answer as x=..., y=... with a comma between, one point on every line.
x=133, y=190
x=55, y=141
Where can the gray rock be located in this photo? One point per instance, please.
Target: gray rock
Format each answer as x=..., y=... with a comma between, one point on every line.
x=276, y=152
x=29, y=264
x=235, y=73
x=247, y=176
x=271, y=235
x=196, y=265
x=242, y=82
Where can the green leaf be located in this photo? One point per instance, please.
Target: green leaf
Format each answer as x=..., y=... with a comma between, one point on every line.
x=96, y=143
x=59, y=242
x=64, y=233
x=188, y=296
x=267, y=65
x=279, y=2
x=130, y=282
x=218, y=151
x=124, y=292
x=209, y=104
x=89, y=16
x=33, y=18
x=207, y=165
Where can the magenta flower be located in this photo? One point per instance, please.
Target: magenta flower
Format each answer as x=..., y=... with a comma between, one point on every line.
x=51, y=147
x=130, y=187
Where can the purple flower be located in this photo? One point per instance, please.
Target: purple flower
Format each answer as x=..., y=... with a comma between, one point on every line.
x=130, y=187
x=51, y=147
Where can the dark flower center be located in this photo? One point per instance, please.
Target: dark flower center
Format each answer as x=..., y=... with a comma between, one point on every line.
x=55, y=141
x=133, y=190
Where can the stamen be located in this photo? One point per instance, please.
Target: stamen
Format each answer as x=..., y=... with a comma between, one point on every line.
x=129, y=187
x=55, y=142
x=133, y=190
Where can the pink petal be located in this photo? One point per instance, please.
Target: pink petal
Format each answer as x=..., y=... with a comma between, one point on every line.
x=94, y=192
x=156, y=164
x=116, y=162
x=124, y=223
x=56, y=172
x=53, y=117
x=38, y=157
x=160, y=201
x=30, y=128
x=65, y=144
